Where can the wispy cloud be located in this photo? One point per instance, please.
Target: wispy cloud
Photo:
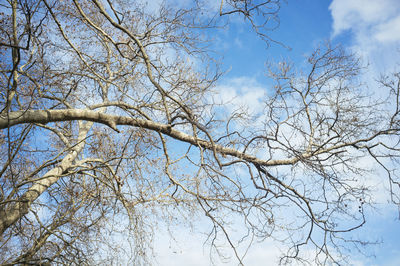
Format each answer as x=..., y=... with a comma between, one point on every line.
x=241, y=92
x=374, y=28
x=360, y=15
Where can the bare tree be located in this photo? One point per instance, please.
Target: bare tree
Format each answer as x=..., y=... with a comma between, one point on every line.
x=108, y=126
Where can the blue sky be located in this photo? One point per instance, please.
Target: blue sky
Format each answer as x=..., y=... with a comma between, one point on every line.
x=303, y=25
x=369, y=28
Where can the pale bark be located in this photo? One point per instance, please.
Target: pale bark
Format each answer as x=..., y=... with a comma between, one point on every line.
x=47, y=116
x=111, y=63
x=14, y=212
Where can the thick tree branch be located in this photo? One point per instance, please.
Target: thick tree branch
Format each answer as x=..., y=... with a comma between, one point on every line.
x=11, y=214
x=47, y=116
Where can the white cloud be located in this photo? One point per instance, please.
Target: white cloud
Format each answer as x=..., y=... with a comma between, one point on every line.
x=189, y=249
x=244, y=92
x=374, y=28
x=374, y=32
x=351, y=14
x=261, y=253
x=389, y=31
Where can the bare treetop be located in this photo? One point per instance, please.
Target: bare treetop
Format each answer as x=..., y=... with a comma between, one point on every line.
x=108, y=130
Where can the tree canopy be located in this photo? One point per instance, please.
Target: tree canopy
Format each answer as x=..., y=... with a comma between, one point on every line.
x=109, y=126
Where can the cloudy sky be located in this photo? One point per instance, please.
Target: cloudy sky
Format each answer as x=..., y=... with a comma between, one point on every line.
x=368, y=28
